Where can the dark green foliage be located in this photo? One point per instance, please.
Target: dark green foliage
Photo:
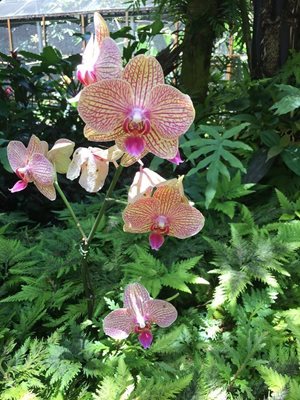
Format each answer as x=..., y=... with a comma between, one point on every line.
x=211, y=350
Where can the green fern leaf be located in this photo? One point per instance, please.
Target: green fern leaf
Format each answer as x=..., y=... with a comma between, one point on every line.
x=276, y=382
x=216, y=152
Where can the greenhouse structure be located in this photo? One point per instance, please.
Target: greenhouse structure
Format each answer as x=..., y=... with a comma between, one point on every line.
x=33, y=24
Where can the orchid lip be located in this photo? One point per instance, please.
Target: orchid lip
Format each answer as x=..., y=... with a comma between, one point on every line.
x=134, y=145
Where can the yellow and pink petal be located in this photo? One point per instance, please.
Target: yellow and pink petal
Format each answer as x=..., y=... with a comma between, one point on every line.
x=138, y=216
x=143, y=73
x=101, y=28
x=46, y=190
x=172, y=112
x=104, y=105
x=185, y=221
x=160, y=146
x=167, y=197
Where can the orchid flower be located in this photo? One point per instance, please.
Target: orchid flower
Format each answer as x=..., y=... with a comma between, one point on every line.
x=165, y=213
x=31, y=165
x=139, y=111
x=92, y=165
x=101, y=58
x=138, y=315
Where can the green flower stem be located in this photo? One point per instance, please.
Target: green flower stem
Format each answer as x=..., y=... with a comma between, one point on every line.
x=85, y=245
x=86, y=279
x=69, y=207
x=104, y=205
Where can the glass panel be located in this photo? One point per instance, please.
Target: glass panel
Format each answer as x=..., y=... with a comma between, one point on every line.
x=4, y=42
x=60, y=35
x=27, y=36
x=31, y=8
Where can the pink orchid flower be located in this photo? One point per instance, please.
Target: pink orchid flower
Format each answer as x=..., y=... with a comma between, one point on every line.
x=92, y=165
x=165, y=213
x=31, y=165
x=138, y=315
x=101, y=58
x=139, y=111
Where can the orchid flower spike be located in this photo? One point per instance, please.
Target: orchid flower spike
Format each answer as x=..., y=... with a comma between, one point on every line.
x=31, y=165
x=101, y=58
x=138, y=315
x=165, y=213
x=92, y=165
x=140, y=112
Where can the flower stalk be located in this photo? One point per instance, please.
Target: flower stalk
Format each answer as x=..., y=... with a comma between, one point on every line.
x=69, y=207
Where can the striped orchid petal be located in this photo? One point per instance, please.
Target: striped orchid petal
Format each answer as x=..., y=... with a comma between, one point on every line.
x=108, y=64
x=143, y=73
x=160, y=312
x=128, y=159
x=172, y=112
x=119, y=324
x=161, y=147
x=41, y=169
x=185, y=221
x=16, y=154
x=103, y=106
x=138, y=216
x=95, y=136
x=101, y=28
x=35, y=145
x=168, y=197
x=135, y=293
x=47, y=190
x=134, y=297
